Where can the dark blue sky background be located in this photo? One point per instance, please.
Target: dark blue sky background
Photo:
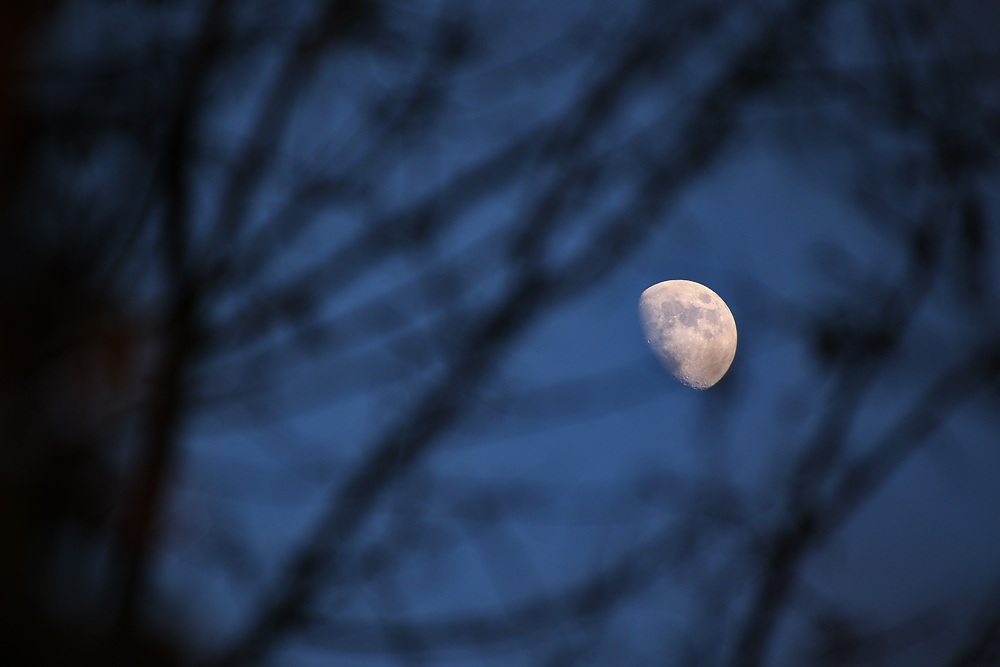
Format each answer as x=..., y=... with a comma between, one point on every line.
x=771, y=229
x=577, y=446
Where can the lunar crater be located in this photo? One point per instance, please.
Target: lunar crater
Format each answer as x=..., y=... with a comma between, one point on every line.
x=690, y=329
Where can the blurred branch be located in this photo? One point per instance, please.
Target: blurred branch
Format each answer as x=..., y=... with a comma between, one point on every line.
x=316, y=563
x=167, y=400
x=601, y=591
x=174, y=227
x=982, y=645
x=811, y=523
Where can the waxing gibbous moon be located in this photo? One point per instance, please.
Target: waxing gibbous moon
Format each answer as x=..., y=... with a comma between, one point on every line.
x=691, y=330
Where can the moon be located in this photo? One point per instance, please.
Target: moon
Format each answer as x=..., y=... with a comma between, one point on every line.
x=691, y=330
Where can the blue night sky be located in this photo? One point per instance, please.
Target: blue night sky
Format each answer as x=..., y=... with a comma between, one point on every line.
x=578, y=446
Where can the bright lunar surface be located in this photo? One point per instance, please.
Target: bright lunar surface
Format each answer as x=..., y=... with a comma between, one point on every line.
x=690, y=329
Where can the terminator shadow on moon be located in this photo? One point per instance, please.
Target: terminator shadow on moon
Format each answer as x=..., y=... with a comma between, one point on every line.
x=690, y=329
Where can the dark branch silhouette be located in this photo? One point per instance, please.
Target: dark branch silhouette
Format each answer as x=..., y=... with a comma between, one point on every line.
x=239, y=221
